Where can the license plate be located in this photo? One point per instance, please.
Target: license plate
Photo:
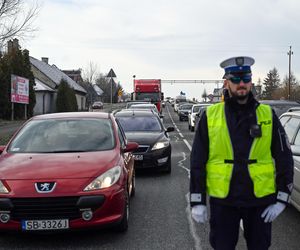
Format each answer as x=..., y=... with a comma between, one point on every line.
x=29, y=225
x=138, y=157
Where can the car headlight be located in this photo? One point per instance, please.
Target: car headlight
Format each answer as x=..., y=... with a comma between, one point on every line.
x=107, y=179
x=3, y=189
x=160, y=144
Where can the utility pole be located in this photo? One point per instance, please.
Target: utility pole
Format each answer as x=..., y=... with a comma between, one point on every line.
x=290, y=53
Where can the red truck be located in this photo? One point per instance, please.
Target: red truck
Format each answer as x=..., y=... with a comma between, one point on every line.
x=148, y=90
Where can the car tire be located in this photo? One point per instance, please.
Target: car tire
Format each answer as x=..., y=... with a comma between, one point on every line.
x=192, y=128
x=133, y=185
x=189, y=127
x=180, y=119
x=168, y=167
x=123, y=225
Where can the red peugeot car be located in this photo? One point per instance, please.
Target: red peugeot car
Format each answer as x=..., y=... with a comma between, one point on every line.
x=66, y=171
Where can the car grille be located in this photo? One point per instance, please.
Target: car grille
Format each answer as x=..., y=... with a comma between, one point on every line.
x=45, y=208
x=141, y=149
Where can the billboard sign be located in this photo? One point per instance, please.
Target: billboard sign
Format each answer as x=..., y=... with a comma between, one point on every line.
x=19, y=89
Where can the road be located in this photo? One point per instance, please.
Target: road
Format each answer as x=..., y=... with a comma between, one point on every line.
x=160, y=214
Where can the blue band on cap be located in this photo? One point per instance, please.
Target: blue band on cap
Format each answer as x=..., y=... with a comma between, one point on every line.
x=238, y=69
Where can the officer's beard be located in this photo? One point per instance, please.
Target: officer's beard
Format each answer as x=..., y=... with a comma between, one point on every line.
x=237, y=97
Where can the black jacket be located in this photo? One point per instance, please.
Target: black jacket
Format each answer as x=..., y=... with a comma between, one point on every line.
x=239, y=119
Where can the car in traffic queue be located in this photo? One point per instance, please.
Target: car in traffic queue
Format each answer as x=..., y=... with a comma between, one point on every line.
x=192, y=115
x=146, y=128
x=291, y=123
x=97, y=105
x=147, y=106
x=66, y=171
x=183, y=111
x=280, y=106
x=199, y=114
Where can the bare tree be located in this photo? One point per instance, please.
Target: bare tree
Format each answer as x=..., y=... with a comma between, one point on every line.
x=16, y=20
x=90, y=73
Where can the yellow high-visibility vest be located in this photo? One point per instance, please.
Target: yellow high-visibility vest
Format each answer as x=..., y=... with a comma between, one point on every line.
x=220, y=162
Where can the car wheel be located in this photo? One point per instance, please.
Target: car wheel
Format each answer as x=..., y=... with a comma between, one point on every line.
x=189, y=127
x=192, y=128
x=133, y=185
x=123, y=226
x=168, y=167
x=180, y=119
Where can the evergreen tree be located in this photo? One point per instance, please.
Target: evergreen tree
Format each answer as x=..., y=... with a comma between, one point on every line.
x=29, y=75
x=73, y=101
x=66, y=98
x=294, y=87
x=5, y=106
x=271, y=84
x=15, y=62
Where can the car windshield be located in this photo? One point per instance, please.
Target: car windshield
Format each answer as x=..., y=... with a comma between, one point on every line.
x=141, y=123
x=64, y=135
x=196, y=109
x=186, y=107
x=153, y=97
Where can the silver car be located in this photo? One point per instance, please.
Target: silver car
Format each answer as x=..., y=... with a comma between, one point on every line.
x=291, y=123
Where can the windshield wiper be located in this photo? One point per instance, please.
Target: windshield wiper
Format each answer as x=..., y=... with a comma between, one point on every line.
x=66, y=151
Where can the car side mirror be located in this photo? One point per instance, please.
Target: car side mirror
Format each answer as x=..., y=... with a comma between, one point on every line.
x=131, y=146
x=170, y=129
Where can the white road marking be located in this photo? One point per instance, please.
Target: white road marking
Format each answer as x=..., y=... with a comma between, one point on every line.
x=187, y=144
x=192, y=224
x=180, y=164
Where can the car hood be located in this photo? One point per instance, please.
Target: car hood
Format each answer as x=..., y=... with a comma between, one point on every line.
x=144, y=138
x=61, y=165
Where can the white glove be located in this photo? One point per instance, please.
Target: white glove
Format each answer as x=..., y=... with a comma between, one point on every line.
x=199, y=213
x=272, y=211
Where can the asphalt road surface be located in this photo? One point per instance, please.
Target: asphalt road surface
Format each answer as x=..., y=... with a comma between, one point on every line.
x=160, y=214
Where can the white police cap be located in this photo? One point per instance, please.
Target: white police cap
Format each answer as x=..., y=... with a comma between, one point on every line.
x=237, y=65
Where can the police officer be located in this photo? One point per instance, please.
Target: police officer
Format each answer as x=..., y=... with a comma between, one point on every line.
x=241, y=158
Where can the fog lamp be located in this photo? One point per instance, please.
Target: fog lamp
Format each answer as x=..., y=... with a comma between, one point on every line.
x=4, y=216
x=87, y=214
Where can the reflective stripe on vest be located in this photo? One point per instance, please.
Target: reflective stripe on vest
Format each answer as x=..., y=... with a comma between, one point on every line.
x=261, y=167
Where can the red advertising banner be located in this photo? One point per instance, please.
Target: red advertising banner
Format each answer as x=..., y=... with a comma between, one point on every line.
x=19, y=89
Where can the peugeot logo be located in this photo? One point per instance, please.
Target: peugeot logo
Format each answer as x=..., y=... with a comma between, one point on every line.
x=45, y=187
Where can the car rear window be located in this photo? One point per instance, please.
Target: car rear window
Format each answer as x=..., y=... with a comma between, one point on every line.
x=145, y=123
x=64, y=135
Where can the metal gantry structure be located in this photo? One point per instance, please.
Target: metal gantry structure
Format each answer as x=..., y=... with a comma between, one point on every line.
x=194, y=81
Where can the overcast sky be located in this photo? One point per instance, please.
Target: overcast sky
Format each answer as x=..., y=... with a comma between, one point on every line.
x=168, y=39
